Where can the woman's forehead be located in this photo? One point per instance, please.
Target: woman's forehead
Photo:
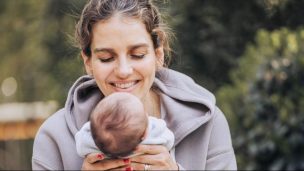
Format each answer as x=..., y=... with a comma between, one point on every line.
x=119, y=30
x=119, y=25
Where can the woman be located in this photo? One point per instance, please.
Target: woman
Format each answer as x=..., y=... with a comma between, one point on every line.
x=123, y=46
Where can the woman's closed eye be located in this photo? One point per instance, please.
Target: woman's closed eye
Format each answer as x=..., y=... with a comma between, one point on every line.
x=107, y=59
x=138, y=56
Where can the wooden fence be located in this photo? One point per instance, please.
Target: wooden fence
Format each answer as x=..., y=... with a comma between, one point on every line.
x=16, y=154
x=19, y=123
x=16, y=144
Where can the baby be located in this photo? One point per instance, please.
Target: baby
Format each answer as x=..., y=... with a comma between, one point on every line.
x=117, y=125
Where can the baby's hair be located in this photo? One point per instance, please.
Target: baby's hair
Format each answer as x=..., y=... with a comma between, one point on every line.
x=114, y=128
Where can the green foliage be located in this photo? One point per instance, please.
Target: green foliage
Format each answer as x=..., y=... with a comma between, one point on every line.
x=35, y=51
x=265, y=102
x=212, y=34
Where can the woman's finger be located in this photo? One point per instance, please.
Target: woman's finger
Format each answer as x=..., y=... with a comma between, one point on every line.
x=154, y=159
x=150, y=149
x=123, y=168
x=94, y=157
x=141, y=166
x=106, y=164
x=146, y=158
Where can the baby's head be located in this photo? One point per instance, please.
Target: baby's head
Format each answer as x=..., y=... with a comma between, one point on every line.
x=118, y=124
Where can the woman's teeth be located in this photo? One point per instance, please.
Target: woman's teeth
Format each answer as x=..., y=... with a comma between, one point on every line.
x=124, y=85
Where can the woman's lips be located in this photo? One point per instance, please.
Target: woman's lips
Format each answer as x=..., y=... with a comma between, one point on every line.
x=124, y=86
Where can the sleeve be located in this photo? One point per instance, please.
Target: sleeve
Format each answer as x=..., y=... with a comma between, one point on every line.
x=159, y=133
x=46, y=155
x=84, y=141
x=39, y=165
x=220, y=154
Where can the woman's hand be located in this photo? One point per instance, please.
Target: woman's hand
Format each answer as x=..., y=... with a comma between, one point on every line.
x=155, y=157
x=95, y=161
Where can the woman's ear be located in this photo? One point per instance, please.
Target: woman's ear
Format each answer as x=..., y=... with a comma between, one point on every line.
x=160, y=57
x=157, y=38
x=87, y=63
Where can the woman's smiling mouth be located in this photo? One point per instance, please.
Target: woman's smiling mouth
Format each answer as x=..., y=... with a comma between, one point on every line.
x=124, y=85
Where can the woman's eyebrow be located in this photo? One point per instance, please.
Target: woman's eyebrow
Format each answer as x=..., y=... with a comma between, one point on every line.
x=112, y=51
x=140, y=45
x=108, y=50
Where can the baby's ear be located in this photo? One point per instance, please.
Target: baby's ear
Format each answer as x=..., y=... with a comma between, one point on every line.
x=145, y=135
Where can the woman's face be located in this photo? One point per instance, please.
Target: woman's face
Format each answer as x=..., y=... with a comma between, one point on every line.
x=123, y=58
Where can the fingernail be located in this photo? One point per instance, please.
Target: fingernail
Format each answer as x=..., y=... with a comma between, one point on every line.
x=100, y=156
x=129, y=169
x=126, y=161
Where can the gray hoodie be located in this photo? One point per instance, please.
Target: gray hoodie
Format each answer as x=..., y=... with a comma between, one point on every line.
x=202, y=136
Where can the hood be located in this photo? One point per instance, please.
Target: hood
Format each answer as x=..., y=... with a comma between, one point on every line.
x=82, y=98
x=185, y=105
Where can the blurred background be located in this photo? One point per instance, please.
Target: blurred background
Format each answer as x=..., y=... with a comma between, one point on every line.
x=250, y=54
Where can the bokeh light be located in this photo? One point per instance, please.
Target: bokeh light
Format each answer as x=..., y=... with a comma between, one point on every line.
x=9, y=86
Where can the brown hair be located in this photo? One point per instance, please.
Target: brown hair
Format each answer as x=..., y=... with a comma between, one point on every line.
x=116, y=131
x=98, y=10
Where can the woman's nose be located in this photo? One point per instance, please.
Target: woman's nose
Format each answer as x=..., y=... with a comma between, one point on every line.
x=123, y=69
